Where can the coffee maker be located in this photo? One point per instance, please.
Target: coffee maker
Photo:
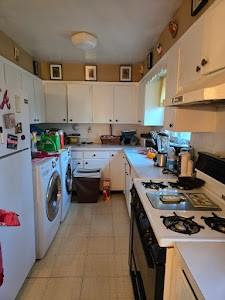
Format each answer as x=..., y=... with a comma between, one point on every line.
x=163, y=145
x=129, y=137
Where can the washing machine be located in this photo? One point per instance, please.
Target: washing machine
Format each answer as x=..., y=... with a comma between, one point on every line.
x=47, y=198
x=67, y=178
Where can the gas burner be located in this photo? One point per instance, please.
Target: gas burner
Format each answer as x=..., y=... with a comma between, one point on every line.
x=215, y=223
x=154, y=185
x=181, y=224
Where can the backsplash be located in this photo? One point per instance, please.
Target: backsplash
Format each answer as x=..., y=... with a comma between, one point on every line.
x=92, y=132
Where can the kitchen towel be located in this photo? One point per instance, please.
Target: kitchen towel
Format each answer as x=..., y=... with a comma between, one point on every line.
x=8, y=218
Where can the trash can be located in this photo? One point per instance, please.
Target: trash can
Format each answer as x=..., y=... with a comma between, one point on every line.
x=87, y=185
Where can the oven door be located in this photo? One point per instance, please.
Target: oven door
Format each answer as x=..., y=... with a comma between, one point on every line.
x=147, y=265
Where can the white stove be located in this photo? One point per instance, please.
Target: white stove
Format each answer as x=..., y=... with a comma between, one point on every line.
x=197, y=204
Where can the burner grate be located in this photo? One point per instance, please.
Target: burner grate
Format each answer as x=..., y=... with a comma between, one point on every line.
x=181, y=224
x=215, y=223
x=154, y=185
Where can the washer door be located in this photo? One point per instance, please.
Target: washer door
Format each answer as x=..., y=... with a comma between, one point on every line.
x=69, y=178
x=53, y=196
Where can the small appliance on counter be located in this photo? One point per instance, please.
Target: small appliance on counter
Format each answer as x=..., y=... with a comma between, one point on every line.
x=73, y=139
x=148, y=141
x=129, y=137
x=163, y=146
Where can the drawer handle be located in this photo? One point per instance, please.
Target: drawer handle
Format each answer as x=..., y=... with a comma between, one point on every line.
x=94, y=155
x=112, y=155
x=116, y=120
x=71, y=120
x=110, y=120
x=204, y=62
x=86, y=163
x=197, y=69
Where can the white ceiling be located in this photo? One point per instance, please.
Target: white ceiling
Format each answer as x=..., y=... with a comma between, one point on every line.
x=126, y=29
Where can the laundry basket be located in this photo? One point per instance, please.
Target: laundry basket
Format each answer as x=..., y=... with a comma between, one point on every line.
x=87, y=183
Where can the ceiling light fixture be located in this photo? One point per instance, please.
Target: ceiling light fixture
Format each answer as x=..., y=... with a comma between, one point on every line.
x=84, y=40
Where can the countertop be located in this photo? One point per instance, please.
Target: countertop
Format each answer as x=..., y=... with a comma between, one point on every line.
x=206, y=262
x=95, y=147
x=143, y=166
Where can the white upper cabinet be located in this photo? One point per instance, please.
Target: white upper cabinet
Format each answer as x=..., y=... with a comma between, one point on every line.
x=13, y=78
x=125, y=104
x=28, y=91
x=56, y=102
x=172, y=74
x=182, y=119
x=190, y=56
x=102, y=99
x=39, y=100
x=2, y=79
x=79, y=103
x=213, y=58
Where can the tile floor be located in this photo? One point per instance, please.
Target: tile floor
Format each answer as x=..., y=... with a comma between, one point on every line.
x=88, y=260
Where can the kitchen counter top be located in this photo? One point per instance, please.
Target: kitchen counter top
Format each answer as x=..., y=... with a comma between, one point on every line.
x=143, y=166
x=206, y=262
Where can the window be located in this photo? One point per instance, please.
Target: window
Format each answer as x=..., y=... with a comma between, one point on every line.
x=181, y=138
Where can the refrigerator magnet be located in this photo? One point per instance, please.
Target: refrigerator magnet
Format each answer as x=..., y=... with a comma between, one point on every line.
x=10, y=121
x=12, y=141
x=18, y=128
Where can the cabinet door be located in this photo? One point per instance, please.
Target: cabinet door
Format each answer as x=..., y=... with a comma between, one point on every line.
x=102, y=164
x=79, y=103
x=141, y=103
x=116, y=171
x=28, y=91
x=102, y=97
x=13, y=78
x=172, y=74
x=125, y=105
x=183, y=289
x=190, y=56
x=128, y=184
x=56, y=103
x=39, y=100
x=213, y=41
x=2, y=80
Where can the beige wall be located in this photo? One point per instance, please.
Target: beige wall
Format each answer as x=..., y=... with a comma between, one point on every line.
x=185, y=20
x=7, y=50
x=105, y=72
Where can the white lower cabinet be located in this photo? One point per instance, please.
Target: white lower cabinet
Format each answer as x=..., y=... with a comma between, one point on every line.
x=128, y=185
x=179, y=282
x=116, y=171
x=111, y=163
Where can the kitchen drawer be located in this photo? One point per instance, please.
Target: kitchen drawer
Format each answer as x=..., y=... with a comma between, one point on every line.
x=96, y=154
x=76, y=154
x=77, y=163
x=114, y=153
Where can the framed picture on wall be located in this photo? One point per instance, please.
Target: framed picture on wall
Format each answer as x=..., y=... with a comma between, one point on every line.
x=196, y=6
x=125, y=73
x=91, y=73
x=55, y=72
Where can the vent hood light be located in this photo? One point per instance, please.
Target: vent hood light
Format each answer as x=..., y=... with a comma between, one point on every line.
x=84, y=40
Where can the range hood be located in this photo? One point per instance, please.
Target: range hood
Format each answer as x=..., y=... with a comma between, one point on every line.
x=211, y=88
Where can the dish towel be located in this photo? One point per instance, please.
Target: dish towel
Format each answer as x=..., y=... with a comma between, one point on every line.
x=1, y=267
x=8, y=218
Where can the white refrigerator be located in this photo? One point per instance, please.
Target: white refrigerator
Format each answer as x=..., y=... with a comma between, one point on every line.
x=16, y=188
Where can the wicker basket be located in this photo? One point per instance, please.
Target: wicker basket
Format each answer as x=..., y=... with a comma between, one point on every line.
x=110, y=139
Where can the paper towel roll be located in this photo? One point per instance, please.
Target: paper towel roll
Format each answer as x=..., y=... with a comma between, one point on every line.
x=185, y=157
x=190, y=167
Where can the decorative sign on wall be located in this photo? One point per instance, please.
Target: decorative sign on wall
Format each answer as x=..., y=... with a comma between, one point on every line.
x=125, y=73
x=159, y=49
x=196, y=6
x=56, y=72
x=90, y=73
x=5, y=101
x=173, y=28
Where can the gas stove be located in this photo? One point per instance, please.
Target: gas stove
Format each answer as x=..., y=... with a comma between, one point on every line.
x=177, y=214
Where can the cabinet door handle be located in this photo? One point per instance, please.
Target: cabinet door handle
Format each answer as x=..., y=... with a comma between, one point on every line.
x=64, y=120
x=86, y=163
x=110, y=120
x=71, y=120
x=94, y=155
x=116, y=120
x=204, y=62
x=170, y=125
x=112, y=155
x=197, y=69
